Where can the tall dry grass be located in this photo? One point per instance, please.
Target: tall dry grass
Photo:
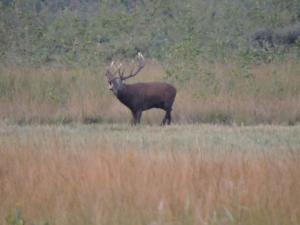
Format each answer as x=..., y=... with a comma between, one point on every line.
x=218, y=94
x=84, y=176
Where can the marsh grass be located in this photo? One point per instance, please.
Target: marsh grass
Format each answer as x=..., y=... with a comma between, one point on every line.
x=219, y=93
x=117, y=174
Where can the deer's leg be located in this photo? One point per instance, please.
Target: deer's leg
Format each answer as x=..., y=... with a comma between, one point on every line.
x=166, y=118
x=163, y=122
x=169, y=117
x=136, y=117
x=139, y=115
x=133, y=121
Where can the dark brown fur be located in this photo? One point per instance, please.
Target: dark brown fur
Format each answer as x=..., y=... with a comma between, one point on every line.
x=143, y=96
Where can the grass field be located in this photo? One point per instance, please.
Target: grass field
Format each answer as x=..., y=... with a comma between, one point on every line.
x=220, y=93
x=118, y=174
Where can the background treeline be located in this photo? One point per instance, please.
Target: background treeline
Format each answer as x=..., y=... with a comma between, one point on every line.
x=92, y=31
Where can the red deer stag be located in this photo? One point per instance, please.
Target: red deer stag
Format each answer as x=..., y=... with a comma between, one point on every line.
x=139, y=97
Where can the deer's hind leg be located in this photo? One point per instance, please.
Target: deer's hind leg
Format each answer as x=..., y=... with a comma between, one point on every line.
x=167, y=119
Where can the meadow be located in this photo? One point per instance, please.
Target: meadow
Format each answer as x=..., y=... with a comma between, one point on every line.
x=119, y=174
x=231, y=93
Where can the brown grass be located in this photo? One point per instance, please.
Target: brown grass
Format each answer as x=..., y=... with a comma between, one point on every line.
x=228, y=94
x=89, y=176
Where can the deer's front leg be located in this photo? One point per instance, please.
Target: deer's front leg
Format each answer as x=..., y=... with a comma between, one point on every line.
x=136, y=117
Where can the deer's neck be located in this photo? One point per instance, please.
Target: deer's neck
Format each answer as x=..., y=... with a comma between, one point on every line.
x=126, y=95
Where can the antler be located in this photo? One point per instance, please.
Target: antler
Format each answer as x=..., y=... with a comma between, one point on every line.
x=136, y=70
x=111, y=68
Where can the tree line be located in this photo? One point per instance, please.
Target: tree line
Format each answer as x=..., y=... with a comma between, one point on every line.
x=91, y=32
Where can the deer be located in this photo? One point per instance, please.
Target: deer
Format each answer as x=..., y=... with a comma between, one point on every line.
x=139, y=97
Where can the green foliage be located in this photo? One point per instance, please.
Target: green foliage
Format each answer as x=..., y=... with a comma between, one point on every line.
x=90, y=32
x=15, y=218
x=181, y=62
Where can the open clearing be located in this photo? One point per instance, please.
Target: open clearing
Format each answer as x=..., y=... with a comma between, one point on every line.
x=181, y=174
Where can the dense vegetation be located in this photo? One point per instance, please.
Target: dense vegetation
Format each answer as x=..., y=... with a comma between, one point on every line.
x=89, y=32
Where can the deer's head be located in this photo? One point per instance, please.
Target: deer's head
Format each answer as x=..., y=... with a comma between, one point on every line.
x=115, y=75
